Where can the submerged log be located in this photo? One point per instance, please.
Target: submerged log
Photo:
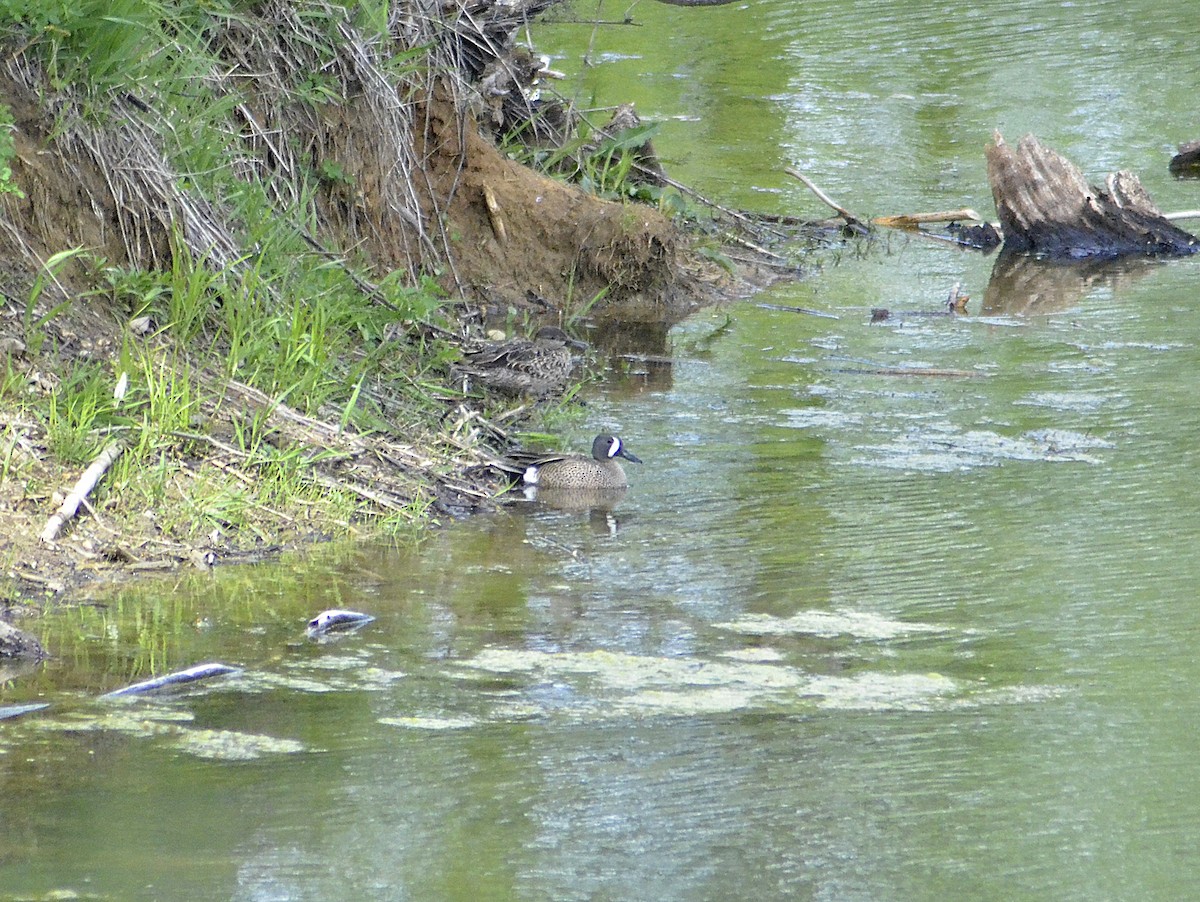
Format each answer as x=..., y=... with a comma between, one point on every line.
x=17, y=644
x=337, y=620
x=1047, y=207
x=10, y=711
x=174, y=680
x=1187, y=161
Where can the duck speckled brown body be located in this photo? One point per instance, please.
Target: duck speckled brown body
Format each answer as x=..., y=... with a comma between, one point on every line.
x=578, y=471
x=541, y=366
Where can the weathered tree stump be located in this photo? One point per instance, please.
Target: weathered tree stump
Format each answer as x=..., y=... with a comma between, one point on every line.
x=1047, y=207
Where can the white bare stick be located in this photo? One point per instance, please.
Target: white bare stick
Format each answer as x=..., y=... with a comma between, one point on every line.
x=822, y=196
x=86, y=483
x=912, y=220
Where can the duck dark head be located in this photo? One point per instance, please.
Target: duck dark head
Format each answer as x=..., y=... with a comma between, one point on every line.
x=556, y=336
x=606, y=447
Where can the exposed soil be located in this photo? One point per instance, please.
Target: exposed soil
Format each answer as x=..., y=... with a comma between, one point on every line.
x=519, y=234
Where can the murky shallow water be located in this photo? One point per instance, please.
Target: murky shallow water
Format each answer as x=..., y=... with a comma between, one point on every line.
x=853, y=633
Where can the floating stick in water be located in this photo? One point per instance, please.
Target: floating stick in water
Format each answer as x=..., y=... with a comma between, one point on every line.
x=8, y=711
x=171, y=680
x=337, y=620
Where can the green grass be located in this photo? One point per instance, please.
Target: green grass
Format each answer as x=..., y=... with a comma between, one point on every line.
x=33, y=323
x=7, y=151
x=603, y=165
x=10, y=460
x=281, y=317
x=82, y=412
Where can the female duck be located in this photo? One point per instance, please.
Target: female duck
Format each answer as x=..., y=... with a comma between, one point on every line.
x=539, y=367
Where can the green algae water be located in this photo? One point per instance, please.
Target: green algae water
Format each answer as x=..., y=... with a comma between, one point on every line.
x=898, y=610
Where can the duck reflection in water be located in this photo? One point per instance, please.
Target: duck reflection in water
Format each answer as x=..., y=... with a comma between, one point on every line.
x=576, y=499
x=599, y=504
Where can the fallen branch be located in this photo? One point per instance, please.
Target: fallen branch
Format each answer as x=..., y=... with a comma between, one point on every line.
x=57, y=586
x=912, y=220
x=83, y=487
x=384, y=499
x=851, y=219
x=805, y=310
x=10, y=711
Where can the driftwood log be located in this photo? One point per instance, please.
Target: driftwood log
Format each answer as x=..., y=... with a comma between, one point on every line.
x=1047, y=207
x=83, y=487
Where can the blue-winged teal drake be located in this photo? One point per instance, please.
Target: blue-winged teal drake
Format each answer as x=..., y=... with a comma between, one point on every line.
x=538, y=366
x=578, y=471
